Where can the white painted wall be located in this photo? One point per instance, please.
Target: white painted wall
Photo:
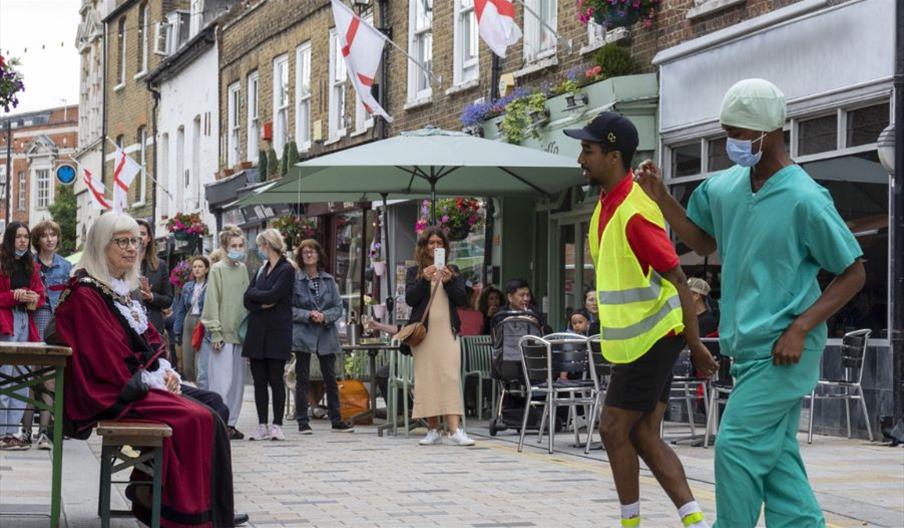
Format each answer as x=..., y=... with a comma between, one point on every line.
x=190, y=101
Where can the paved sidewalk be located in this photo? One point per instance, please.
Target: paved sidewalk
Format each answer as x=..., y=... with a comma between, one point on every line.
x=359, y=480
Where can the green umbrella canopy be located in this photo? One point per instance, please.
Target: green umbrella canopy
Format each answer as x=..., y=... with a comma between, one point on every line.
x=288, y=191
x=432, y=162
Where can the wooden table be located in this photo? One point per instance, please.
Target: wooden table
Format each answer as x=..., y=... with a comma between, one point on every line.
x=41, y=363
x=372, y=350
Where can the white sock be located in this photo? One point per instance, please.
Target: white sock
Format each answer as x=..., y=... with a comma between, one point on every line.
x=630, y=510
x=689, y=508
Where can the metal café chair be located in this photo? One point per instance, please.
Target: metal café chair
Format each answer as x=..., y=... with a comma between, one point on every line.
x=686, y=387
x=541, y=358
x=847, y=387
x=477, y=354
x=401, y=379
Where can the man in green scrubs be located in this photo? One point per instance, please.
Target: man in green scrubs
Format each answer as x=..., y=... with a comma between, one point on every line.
x=774, y=228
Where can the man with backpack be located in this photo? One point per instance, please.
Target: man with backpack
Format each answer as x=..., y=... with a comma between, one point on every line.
x=646, y=317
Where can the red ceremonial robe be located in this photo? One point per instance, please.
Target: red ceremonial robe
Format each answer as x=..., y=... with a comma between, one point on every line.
x=97, y=372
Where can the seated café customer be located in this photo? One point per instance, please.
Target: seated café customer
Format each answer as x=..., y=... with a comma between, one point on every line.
x=122, y=373
x=471, y=319
x=519, y=297
x=488, y=304
x=706, y=319
x=580, y=321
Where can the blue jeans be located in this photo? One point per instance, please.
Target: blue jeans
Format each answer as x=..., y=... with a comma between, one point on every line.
x=11, y=409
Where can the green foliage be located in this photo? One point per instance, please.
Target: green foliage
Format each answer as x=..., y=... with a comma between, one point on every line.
x=615, y=61
x=262, y=163
x=516, y=124
x=289, y=158
x=63, y=212
x=272, y=164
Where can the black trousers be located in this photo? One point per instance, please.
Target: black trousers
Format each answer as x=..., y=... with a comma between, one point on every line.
x=303, y=379
x=269, y=373
x=208, y=398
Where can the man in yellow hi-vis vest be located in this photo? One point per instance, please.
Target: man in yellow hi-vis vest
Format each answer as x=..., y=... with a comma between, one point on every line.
x=646, y=318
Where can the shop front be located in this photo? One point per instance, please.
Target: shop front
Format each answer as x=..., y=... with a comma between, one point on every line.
x=839, y=101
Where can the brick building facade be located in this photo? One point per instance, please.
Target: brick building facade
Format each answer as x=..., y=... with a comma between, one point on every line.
x=135, y=32
x=41, y=140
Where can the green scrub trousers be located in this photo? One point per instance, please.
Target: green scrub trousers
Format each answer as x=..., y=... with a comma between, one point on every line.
x=757, y=455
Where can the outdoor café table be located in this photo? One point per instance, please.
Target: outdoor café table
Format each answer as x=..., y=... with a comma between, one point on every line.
x=372, y=350
x=40, y=363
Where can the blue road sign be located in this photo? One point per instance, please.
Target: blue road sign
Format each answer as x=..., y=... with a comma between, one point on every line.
x=65, y=174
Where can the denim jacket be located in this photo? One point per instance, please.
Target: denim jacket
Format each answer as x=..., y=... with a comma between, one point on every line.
x=54, y=278
x=307, y=336
x=182, y=305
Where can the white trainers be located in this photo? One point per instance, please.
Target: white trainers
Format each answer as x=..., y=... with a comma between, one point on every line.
x=276, y=433
x=44, y=442
x=460, y=438
x=434, y=437
x=262, y=433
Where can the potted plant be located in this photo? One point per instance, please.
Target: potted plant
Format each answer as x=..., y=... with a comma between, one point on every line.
x=614, y=14
x=295, y=228
x=10, y=83
x=184, y=226
x=376, y=258
x=517, y=124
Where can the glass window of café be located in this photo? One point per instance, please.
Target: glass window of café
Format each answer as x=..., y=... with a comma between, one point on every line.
x=837, y=149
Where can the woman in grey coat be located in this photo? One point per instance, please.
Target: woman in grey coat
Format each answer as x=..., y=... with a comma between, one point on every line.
x=316, y=306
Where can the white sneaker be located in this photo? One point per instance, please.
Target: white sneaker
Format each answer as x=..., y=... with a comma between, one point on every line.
x=44, y=442
x=460, y=438
x=433, y=437
x=276, y=433
x=261, y=434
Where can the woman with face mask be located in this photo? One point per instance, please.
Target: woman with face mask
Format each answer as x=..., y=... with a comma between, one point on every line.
x=220, y=365
x=21, y=293
x=269, y=341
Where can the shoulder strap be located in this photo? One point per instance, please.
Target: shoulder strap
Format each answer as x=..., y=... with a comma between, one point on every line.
x=430, y=302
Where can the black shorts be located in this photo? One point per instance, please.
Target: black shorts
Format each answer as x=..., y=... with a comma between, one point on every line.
x=638, y=386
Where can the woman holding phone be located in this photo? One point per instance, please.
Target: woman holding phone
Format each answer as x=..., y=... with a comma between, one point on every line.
x=154, y=288
x=437, y=359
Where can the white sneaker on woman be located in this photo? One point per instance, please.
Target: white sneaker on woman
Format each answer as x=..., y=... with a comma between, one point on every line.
x=276, y=433
x=434, y=437
x=262, y=433
x=460, y=438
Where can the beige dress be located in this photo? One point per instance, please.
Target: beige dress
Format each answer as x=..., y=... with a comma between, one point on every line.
x=437, y=365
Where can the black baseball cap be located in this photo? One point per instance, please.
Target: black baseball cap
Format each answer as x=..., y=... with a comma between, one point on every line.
x=612, y=131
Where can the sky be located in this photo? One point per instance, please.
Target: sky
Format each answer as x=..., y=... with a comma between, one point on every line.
x=41, y=34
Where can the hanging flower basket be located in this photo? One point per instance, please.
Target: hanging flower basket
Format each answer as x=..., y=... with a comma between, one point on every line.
x=181, y=235
x=181, y=274
x=186, y=226
x=10, y=83
x=296, y=228
x=458, y=217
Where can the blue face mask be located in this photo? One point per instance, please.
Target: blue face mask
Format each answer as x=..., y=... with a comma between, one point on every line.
x=262, y=254
x=740, y=151
x=236, y=255
x=21, y=253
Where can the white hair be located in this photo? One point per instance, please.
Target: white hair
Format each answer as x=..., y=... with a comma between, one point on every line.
x=100, y=236
x=273, y=238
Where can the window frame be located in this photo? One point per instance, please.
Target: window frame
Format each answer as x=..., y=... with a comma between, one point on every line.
x=280, y=126
x=253, y=115
x=23, y=191
x=142, y=136
x=142, y=48
x=534, y=32
x=465, y=71
x=121, y=69
x=416, y=37
x=42, y=195
x=233, y=123
x=303, y=56
x=338, y=96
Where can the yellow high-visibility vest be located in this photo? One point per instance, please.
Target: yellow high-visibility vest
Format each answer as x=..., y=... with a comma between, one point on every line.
x=635, y=309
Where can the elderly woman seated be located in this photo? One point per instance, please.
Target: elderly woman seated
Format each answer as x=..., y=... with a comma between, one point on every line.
x=118, y=370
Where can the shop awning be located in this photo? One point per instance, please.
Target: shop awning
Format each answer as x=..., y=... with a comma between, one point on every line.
x=429, y=162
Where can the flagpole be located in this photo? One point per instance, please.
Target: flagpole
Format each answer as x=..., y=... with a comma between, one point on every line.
x=146, y=173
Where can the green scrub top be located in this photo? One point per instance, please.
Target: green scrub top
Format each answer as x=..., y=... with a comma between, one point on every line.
x=772, y=244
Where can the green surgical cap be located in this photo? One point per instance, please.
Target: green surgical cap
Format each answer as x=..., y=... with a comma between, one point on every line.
x=754, y=104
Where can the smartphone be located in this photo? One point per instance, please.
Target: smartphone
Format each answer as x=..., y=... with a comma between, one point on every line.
x=439, y=258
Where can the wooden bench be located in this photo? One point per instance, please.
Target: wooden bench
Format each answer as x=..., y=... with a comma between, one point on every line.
x=115, y=435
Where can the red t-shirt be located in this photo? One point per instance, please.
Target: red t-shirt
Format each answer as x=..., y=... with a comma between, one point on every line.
x=649, y=242
x=471, y=322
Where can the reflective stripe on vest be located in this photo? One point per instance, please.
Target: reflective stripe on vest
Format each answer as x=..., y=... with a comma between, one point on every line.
x=632, y=295
x=643, y=326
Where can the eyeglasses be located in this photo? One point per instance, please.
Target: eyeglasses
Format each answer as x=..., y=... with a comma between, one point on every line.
x=126, y=243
